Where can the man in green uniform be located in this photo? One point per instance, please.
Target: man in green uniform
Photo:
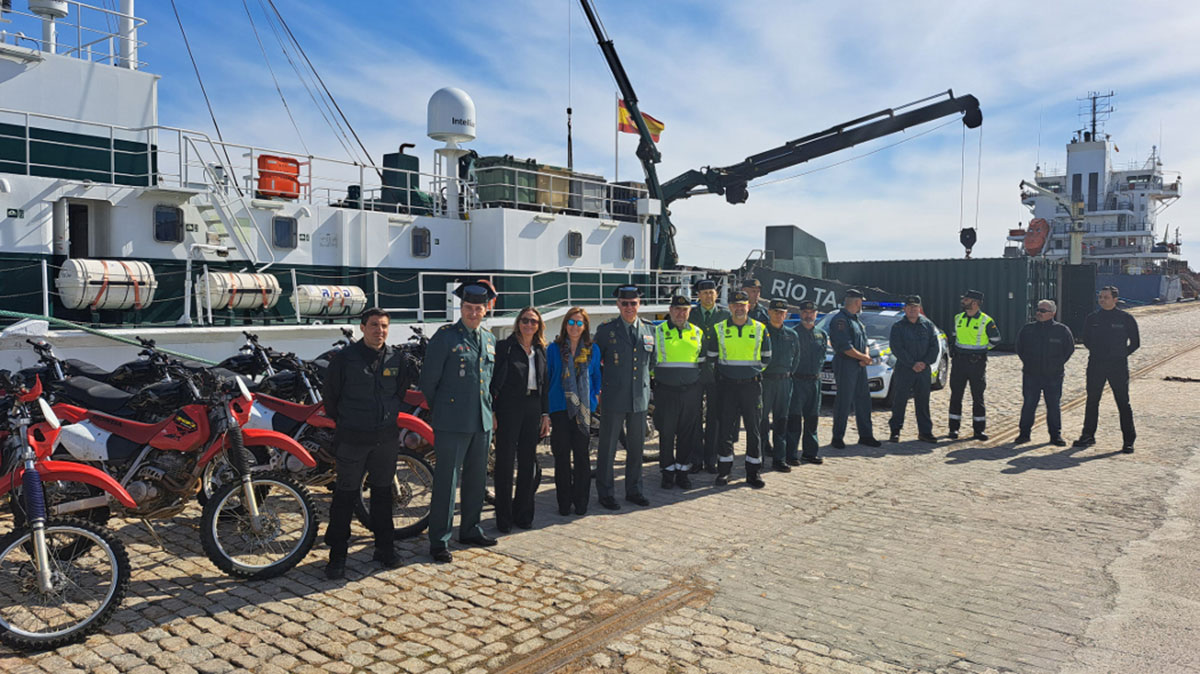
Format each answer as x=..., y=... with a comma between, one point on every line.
x=757, y=310
x=678, y=346
x=914, y=343
x=738, y=349
x=975, y=333
x=456, y=379
x=850, y=360
x=805, y=407
x=626, y=356
x=705, y=316
x=777, y=386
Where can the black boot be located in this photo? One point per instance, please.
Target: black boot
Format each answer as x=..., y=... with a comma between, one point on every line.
x=337, y=532
x=384, y=527
x=723, y=468
x=668, y=479
x=752, y=476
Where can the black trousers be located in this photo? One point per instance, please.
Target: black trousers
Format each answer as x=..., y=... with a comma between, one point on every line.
x=517, y=425
x=677, y=416
x=572, y=469
x=906, y=384
x=712, y=426
x=1116, y=375
x=354, y=460
x=968, y=369
x=741, y=403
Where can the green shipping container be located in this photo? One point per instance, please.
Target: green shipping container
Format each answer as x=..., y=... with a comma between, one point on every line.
x=1011, y=286
x=507, y=181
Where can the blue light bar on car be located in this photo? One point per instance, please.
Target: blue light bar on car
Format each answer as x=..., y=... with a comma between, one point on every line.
x=884, y=305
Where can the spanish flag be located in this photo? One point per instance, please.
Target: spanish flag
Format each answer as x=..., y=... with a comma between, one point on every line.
x=625, y=122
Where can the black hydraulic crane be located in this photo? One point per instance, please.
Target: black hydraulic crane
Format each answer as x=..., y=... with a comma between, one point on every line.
x=733, y=180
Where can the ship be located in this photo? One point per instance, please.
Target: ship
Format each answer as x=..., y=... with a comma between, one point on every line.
x=1099, y=213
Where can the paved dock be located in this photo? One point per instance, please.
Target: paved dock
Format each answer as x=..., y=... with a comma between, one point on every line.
x=964, y=557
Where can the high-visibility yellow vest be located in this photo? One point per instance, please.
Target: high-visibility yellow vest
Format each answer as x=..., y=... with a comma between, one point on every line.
x=970, y=333
x=743, y=349
x=677, y=348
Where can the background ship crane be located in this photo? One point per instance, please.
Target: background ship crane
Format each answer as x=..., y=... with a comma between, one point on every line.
x=732, y=181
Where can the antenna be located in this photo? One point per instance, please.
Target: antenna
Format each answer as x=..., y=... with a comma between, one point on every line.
x=1094, y=110
x=1038, y=163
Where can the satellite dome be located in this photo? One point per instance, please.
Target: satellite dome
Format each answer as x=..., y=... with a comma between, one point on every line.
x=451, y=116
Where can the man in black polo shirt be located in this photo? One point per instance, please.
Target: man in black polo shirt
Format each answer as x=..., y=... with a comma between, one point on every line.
x=364, y=387
x=1110, y=335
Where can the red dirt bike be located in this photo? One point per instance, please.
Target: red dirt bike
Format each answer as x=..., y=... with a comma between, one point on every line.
x=258, y=525
x=289, y=379
x=60, y=578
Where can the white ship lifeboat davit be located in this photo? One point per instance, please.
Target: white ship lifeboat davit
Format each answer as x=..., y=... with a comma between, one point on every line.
x=231, y=290
x=106, y=284
x=329, y=300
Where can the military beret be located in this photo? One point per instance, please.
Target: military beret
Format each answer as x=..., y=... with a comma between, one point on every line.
x=475, y=293
x=740, y=297
x=630, y=292
x=706, y=284
x=854, y=292
x=808, y=305
x=973, y=295
x=779, y=304
x=912, y=299
x=680, y=301
x=751, y=283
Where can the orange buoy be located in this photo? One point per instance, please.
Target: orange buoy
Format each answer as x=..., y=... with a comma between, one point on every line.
x=1035, y=237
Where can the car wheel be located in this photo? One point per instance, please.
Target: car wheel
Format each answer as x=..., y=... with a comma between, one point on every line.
x=943, y=375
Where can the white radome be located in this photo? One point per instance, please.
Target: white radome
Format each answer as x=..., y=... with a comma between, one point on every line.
x=451, y=116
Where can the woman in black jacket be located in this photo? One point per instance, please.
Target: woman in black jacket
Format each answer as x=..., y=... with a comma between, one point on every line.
x=521, y=416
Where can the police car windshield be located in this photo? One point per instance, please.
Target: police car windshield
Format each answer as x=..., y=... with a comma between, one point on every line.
x=879, y=323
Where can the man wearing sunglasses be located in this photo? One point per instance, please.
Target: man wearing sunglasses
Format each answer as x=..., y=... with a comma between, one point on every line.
x=627, y=353
x=1044, y=347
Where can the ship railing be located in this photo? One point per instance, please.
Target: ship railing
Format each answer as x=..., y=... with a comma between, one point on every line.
x=87, y=32
x=558, y=288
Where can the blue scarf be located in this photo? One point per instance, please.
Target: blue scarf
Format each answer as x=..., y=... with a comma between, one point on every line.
x=577, y=389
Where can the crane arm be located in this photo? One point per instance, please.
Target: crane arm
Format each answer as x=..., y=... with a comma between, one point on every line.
x=732, y=180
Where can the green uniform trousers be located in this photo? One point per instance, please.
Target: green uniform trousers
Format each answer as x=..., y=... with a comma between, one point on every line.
x=777, y=397
x=803, y=417
x=458, y=452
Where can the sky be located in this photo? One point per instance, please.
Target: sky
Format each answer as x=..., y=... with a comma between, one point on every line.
x=729, y=79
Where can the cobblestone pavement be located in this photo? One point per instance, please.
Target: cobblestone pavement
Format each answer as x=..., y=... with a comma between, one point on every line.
x=955, y=558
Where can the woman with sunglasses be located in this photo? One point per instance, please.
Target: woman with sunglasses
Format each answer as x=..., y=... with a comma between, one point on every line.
x=519, y=393
x=574, y=378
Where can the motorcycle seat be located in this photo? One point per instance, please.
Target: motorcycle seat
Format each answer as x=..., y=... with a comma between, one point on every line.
x=95, y=395
x=85, y=369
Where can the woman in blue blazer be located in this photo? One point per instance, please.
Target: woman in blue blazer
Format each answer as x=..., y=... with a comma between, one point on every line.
x=573, y=374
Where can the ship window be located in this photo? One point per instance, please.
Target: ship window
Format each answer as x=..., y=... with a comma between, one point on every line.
x=168, y=224
x=574, y=244
x=421, y=242
x=284, y=232
x=628, y=247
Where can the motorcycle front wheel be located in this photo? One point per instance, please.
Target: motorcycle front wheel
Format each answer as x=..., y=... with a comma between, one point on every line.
x=282, y=536
x=412, y=496
x=87, y=585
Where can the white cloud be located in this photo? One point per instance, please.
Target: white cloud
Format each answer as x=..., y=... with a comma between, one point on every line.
x=733, y=79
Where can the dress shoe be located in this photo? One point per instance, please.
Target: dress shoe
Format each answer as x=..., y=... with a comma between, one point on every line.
x=1021, y=439
x=711, y=469
x=894, y=437
x=793, y=462
x=953, y=435
x=755, y=481
x=931, y=439
x=1057, y=441
x=1127, y=448
x=812, y=459
x=682, y=479
x=836, y=444
x=580, y=510
x=336, y=568
x=721, y=480
x=609, y=503
x=668, y=479
x=696, y=468
x=638, y=499
x=564, y=510
x=524, y=525
x=441, y=556
x=780, y=467
x=480, y=541
x=981, y=436
x=1084, y=442
x=869, y=442
x=388, y=559
x=503, y=528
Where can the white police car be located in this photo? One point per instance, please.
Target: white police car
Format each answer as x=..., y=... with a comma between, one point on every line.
x=879, y=317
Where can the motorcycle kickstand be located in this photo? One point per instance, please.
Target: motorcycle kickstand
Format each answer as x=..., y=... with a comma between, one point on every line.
x=154, y=534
